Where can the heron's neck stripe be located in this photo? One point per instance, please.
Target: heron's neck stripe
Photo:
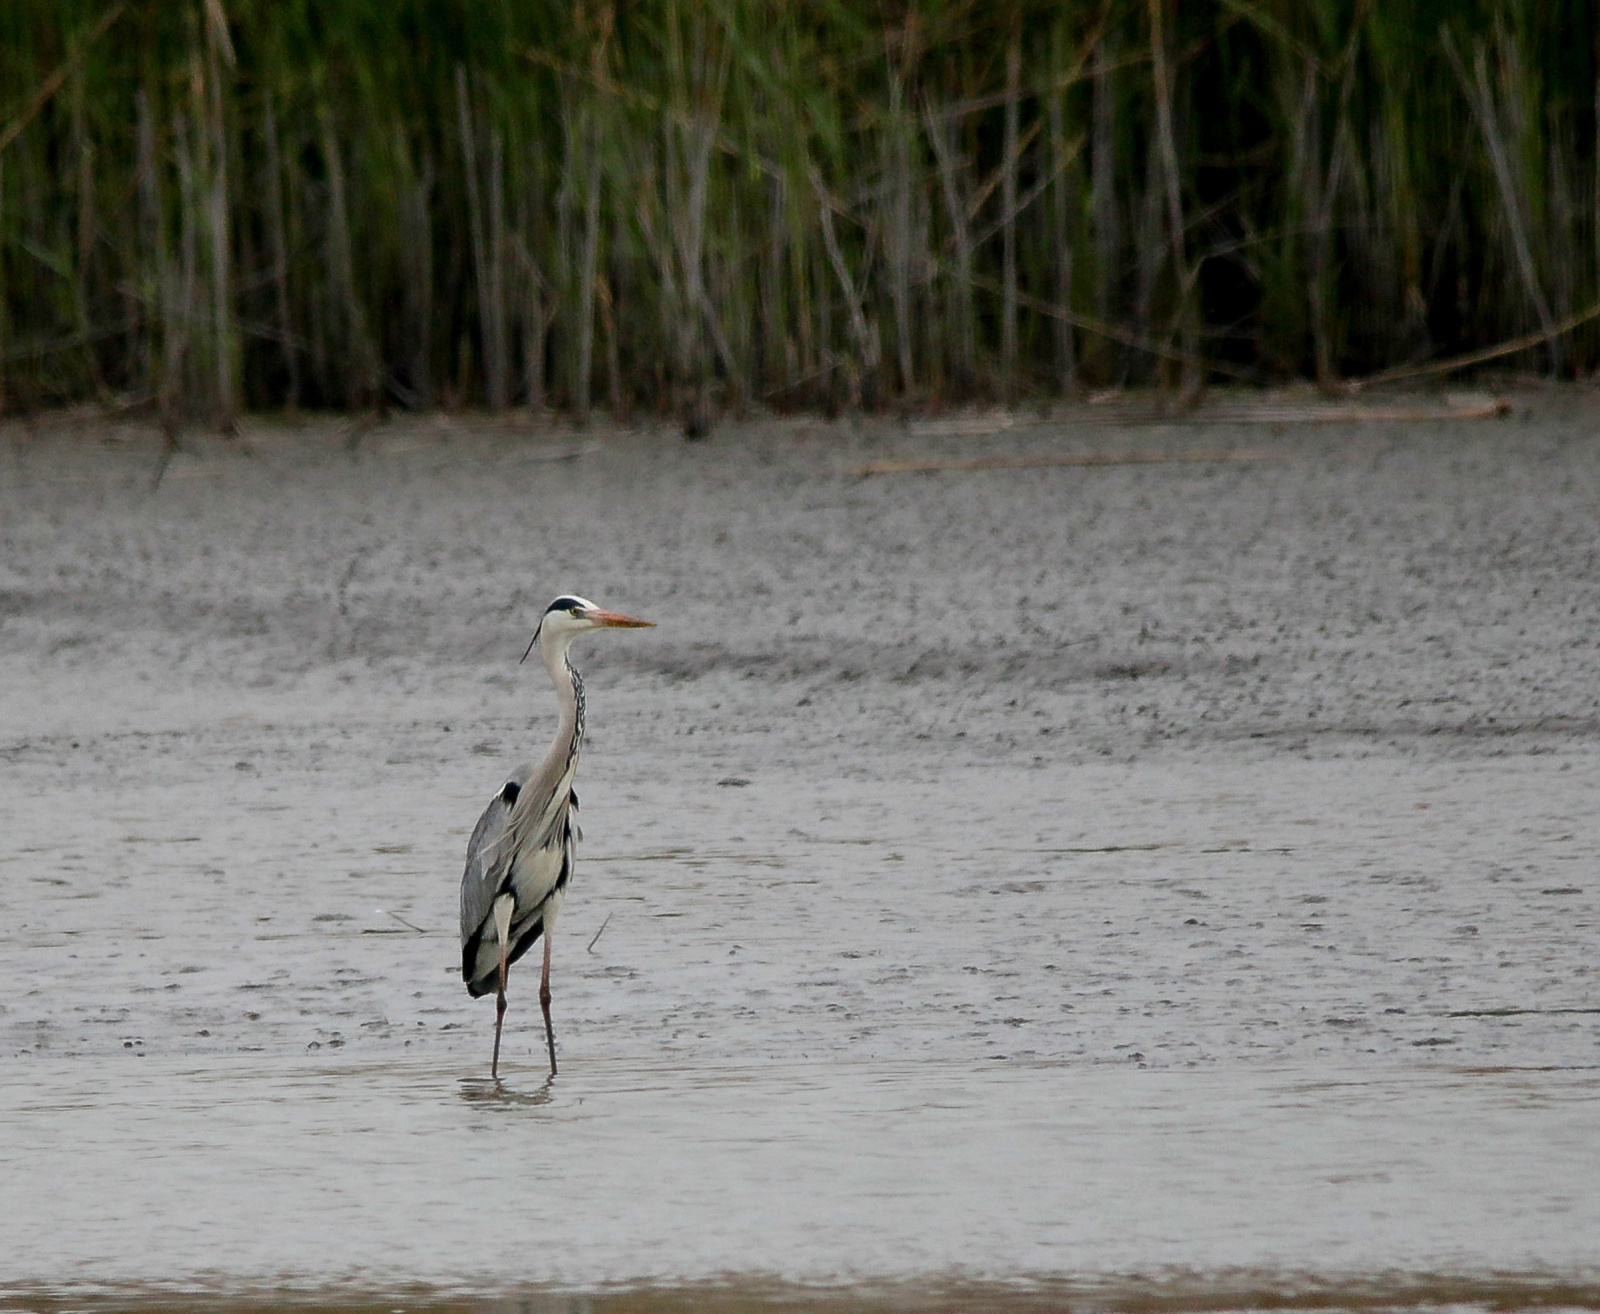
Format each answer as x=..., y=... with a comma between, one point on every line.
x=578, y=708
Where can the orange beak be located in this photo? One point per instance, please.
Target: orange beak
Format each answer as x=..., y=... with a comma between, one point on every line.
x=616, y=620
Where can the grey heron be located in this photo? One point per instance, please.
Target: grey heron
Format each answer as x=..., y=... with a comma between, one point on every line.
x=520, y=857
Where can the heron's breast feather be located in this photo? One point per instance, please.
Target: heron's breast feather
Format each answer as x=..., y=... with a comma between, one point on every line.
x=536, y=873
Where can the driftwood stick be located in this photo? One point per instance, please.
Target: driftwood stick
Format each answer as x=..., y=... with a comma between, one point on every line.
x=1073, y=459
x=1488, y=408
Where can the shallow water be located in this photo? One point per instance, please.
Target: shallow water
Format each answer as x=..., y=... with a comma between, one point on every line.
x=1204, y=920
x=141, y=1171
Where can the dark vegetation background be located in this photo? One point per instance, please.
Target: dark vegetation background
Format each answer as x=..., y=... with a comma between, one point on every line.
x=225, y=204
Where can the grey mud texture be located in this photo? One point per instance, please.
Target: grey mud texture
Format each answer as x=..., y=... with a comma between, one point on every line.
x=1264, y=771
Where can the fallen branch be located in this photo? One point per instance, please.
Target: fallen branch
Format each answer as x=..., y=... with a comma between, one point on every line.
x=1487, y=408
x=1079, y=459
x=1454, y=363
x=1352, y=386
x=412, y=926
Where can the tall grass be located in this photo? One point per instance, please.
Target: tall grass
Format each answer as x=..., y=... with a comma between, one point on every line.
x=211, y=205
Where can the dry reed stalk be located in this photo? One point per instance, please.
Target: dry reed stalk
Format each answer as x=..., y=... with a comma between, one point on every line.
x=278, y=243
x=688, y=221
x=469, y=159
x=5, y=315
x=659, y=244
x=1369, y=254
x=1481, y=98
x=1305, y=190
x=1042, y=184
x=777, y=347
x=1318, y=193
x=897, y=235
x=564, y=258
x=1193, y=378
x=1152, y=254
x=197, y=221
x=1565, y=222
x=1404, y=226
x=418, y=227
x=1341, y=166
x=826, y=359
x=178, y=312
x=152, y=243
x=224, y=328
x=940, y=133
x=300, y=192
x=535, y=321
x=589, y=268
x=83, y=273
x=496, y=352
x=608, y=324
x=800, y=322
x=1103, y=192
x=1102, y=180
x=777, y=368
x=863, y=375
x=1066, y=347
x=361, y=366
x=485, y=264
x=1008, y=230
x=724, y=349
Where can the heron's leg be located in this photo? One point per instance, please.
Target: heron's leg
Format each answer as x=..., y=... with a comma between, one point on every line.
x=544, y=1001
x=502, y=926
x=499, y=1015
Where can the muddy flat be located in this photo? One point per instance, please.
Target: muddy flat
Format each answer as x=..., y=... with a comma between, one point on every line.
x=1172, y=880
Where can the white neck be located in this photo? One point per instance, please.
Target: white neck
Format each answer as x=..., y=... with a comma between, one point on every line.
x=569, y=695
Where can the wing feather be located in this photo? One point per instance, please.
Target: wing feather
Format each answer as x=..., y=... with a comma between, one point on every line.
x=516, y=822
x=480, y=881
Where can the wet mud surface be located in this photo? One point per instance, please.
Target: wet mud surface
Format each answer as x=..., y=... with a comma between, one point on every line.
x=1051, y=875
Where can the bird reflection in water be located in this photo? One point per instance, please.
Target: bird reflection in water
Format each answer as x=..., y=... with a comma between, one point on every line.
x=494, y=1093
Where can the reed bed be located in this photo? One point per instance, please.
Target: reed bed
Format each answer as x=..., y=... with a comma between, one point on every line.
x=214, y=205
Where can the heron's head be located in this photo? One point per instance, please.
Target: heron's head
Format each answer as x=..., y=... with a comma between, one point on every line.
x=569, y=616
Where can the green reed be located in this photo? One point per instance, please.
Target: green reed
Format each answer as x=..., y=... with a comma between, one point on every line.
x=213, y=205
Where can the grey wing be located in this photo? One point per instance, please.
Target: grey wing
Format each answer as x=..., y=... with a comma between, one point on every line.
x=485, y=865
